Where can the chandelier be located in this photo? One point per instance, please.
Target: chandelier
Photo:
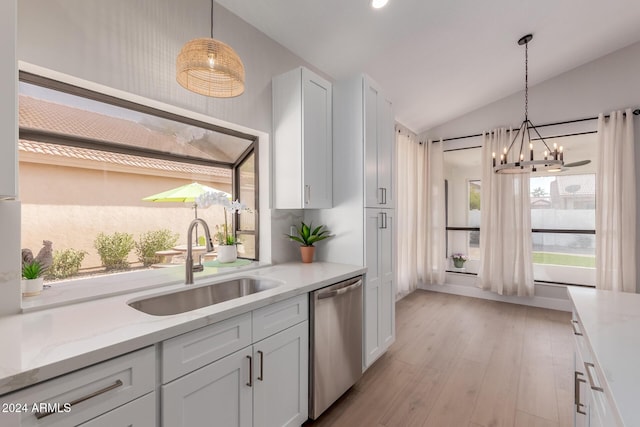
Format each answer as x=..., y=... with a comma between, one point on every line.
x=210, y=67
x=519, y=156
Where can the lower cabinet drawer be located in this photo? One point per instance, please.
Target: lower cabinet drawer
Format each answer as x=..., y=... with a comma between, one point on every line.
x=188, y=352
x=139, y=413
x=77, y=397
x=277, y=317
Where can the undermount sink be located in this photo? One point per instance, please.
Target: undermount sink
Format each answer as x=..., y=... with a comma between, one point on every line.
x=194, y=297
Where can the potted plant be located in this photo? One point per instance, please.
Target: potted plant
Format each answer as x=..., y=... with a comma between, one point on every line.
x=32, y=282
x=459, y=260
x=307, y=236
x=228, y=244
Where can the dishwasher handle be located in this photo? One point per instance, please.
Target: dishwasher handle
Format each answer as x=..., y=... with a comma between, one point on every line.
x=331, y=294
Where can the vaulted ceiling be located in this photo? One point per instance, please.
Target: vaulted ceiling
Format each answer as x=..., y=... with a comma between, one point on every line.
x=437, y=60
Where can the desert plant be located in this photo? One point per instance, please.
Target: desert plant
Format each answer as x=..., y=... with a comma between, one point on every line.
x=66, y=263
x=114, y=249
x=31, y=270
x=153, y=241
x=307, y=235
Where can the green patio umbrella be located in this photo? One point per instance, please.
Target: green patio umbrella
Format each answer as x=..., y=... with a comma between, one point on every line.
x=185, y=194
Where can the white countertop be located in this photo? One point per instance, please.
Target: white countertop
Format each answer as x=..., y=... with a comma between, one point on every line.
x=611, y=327
x=43, y=344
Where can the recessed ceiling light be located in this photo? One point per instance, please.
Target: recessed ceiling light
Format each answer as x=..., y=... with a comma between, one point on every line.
x=377, y=4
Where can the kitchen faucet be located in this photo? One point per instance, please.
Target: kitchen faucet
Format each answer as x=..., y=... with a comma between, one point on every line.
x=189, y=268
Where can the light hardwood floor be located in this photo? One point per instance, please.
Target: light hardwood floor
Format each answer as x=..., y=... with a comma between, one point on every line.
x=466, y=362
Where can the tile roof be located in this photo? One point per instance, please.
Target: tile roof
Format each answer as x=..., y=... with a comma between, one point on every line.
x=50, y=116
x=46, y=148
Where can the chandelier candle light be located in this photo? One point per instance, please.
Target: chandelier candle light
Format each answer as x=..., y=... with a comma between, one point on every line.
x=553, y=160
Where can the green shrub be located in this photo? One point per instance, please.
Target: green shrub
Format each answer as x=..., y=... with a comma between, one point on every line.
x=66, y=263
x=153, y=241
x=114, y=249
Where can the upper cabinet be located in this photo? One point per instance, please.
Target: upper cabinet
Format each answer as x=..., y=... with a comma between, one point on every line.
x=9, y=104
x=379, y=150
x=302, y=145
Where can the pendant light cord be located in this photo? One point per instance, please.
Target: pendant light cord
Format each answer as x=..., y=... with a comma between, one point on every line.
x=211, y=18
x=526, y=81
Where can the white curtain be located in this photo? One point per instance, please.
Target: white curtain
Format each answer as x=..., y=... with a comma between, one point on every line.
x=420, y=213
x=506, y=264
x=616, y=204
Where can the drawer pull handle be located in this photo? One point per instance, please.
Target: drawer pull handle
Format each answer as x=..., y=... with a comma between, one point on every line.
x=576, y=398
x=588, y=365
x=118, y=383
x=574, y=324
x=261, y=376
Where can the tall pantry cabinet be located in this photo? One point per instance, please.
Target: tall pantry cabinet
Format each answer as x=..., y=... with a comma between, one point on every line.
x=363, y=214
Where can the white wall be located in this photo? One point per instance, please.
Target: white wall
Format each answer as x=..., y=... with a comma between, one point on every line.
x=132, y=46
x=608, y=83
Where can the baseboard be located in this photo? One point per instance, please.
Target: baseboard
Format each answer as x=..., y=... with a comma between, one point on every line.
x=475, y=292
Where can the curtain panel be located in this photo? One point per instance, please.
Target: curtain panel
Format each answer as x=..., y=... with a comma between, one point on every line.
x=506, y=265
x=616, y=204
x=421, y=214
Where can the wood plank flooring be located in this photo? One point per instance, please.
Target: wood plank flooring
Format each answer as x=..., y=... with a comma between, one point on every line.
x=465, y=362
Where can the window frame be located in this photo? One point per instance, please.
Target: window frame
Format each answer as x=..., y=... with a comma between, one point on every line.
x=113, y=147
x=533, y=230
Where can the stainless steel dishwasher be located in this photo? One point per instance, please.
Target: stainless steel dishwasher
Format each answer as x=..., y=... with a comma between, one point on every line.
x=335, y=341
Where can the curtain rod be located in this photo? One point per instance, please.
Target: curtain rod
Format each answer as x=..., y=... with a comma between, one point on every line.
x=636, y=112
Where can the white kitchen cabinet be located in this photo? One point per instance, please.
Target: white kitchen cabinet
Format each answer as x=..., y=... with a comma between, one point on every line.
x=379, y=147
x=9, y=104
x=82, y=395
x=281, y=378
x=139, y=413
x=592, y=406
x=217, y=394
x=302, y=145
x=363, y=167
x=262, y=384
x=379, y=291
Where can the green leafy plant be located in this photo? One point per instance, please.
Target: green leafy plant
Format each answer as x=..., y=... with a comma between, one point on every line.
x=31, y=270
x=114, y=249
x=153, y=241
x=223, y=237
x=307, y=235
x=66, y=263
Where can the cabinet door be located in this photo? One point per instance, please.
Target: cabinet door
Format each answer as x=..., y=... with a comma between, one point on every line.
x=372, y=190
x=281, y=378
x=9, y=104
x=372, y=289
x=139, y=413
x=386, y=251
x=379, y=148
x=386, y=152
x=219, y=394
x=317, y=137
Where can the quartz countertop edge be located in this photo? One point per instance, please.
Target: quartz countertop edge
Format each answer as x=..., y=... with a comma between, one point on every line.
x=44, y=344
x=610, y=322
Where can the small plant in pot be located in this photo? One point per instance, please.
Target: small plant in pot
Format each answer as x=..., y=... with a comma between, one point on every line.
x=32, y=280
x=307, y=236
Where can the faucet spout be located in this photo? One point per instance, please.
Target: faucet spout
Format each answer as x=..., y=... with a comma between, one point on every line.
x=189, y=267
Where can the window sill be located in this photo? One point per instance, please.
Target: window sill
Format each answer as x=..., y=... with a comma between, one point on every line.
x=79, y=290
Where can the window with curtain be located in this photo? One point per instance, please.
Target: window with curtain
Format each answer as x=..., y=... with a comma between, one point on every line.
x=562, y=213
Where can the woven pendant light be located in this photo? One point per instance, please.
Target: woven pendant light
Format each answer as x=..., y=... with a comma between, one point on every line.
x=210, y=67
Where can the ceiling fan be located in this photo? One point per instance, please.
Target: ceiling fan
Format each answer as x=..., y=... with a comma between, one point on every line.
x=576, y=164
